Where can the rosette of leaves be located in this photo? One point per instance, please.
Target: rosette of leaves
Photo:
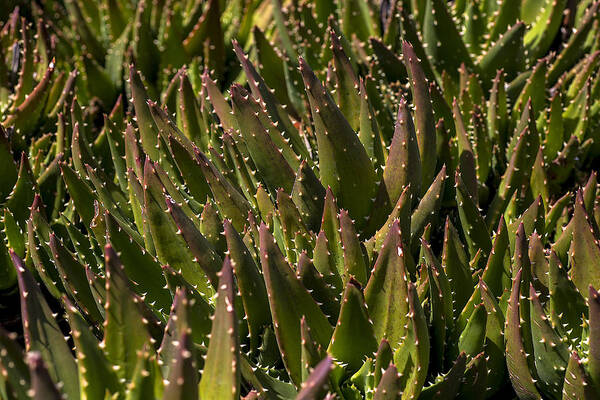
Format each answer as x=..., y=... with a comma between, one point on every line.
x=268, y=199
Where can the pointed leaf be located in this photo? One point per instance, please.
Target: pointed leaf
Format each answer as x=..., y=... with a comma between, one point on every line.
x=386, y=290
x=344, y=163
x=289, y=300
x=217, y=381
x=353, y=318
x=42, y=333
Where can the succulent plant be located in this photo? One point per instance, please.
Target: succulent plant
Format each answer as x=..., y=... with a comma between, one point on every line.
x=294, y=199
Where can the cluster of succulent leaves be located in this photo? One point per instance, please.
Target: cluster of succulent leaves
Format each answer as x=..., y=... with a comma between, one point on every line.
x=300, y=199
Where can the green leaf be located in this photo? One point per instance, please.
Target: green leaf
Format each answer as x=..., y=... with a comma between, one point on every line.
x=403, y=165
x=40, y=257
x=576, y=385
x=442, y=40
x=217, y=381
x=189, y=114
x=354, y=260
x=171, y=247
x=330, y=226
x=346, y=82
x=497, y=270
x=275, y=111
x=447, y=387
x=244, y=173
x=472, y=338
x=207, y=35
x=15, y=374
x=289, y=300
x=400, y=212
x=229, y=200
x=295, y=234
x=456, y=267
x=424, y=120
x=311, y=352
x=390, y=386
x=95, y=372
x=212, y=227
x=191, y=172
x=550, y=352
x=519, y=167
x=22, y=194
x=316, y=382
x=308, y=194
x=353, y=318
x=141, y=268
x=508, y=42
x=555, y=212
x=271, y=66
x=554, y=135
x=386, y=291
x=42, y=386
x=42, y=333
x=369, y=132
x=81, y=194
x=532, y=220
x=466, y=156
x=441, y=302
x=384, y=357
x=323, y=290
x=270, y=162
x=343, y=161
x=146, y=382
x=475, y=378
x=145, y=122
x=220, y=105
x=429, y=206
x=413, y=356
x=8, y=165
x=25, y=117
x=534, y=90
x=473, y=224
x=566, y=305
x=202, y=250
x=494, y=340
x=516, y=361
x=250, y=283
x=125, y=313
x=183, y=377
x=594, y=338
x=200, y=311
x=13, y=233
x=575, y=46
x=584, y=252
x=73, y=276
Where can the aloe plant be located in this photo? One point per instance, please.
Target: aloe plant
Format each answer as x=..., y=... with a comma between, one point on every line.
x=314, y=200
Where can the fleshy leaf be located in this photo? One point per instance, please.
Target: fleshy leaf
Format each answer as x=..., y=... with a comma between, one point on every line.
x=42, y=333
x=386, y=291
x=344, y=162
x=550, y=352
x=353, y=318
x=250, y=283
x=390, y=386
x=42, y=386
x=217, y=381
x=584, y=252
x=289, y=300
x=424, y=121
x=315, y=384
x=95, y=372
x=516, y=360
x=125, y=313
